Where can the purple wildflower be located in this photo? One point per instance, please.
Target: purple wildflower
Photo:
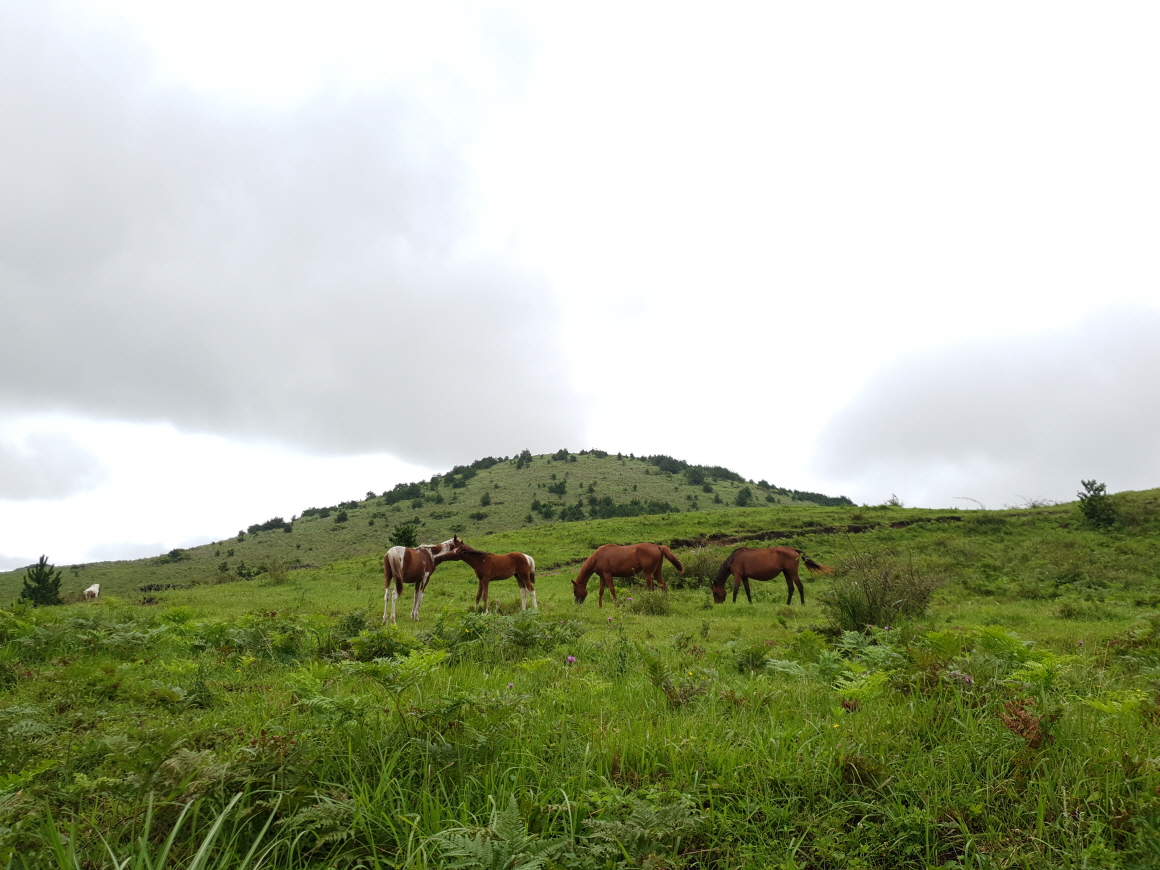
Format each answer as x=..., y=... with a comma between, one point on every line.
x=571, y=659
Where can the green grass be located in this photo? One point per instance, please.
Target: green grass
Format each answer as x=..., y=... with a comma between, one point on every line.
x=1015, y=724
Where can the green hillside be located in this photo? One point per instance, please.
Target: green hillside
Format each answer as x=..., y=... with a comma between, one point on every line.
x=1009, y=716
x=521, y=499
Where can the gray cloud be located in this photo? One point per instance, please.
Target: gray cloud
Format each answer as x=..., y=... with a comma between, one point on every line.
x=46, y=465
x=12, y=563
x=295, y=275
x=1003, y=421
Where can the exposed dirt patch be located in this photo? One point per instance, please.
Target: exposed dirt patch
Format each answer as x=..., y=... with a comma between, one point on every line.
x=722, y=538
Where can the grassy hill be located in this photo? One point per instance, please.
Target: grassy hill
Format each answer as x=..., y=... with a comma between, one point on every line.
x=1014, y=721
x=520, y=500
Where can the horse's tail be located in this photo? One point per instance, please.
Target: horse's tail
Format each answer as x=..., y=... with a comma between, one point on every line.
x=814, y=567
x=725, y=570
x=531, y=568
x=668, y=554
x=393, y=566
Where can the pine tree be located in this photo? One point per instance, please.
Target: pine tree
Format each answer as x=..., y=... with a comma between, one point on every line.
x=42, y=584
x=405, y=535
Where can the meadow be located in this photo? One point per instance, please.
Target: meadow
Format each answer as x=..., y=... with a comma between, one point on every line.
x=272, y=721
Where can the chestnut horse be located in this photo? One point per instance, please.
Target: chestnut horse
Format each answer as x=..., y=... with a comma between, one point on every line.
x=413, y=565
x=764, y=564
x=489, y=566
x=613, y=560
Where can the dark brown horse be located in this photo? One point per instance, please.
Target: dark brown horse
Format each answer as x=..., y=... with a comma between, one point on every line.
x=613, y=560
x=413, y=565
x=489, y=566
x=765, y=563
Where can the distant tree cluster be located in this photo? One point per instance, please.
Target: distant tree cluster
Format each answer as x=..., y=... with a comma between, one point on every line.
x=270, y=525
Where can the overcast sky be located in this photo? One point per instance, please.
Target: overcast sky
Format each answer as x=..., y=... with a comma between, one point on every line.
x=256, y=256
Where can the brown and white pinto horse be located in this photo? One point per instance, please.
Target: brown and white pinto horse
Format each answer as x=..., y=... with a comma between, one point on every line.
x=413, y=565
x=764, y=563
x=489, y=566
x=614, y=560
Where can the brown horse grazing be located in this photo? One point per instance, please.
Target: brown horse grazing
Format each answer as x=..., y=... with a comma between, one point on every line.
x=413, y=565
x=489, y=566
x=613, y=560
x=764, y=564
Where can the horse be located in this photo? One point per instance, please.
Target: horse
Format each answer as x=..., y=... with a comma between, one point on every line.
x=764, y=564
x=489, y=566
x=614, y=560
x=93, y=592
x=413, y=565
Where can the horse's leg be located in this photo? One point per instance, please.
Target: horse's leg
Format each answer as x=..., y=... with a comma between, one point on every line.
x=479, y=592
x=736, y=586
x=386, y=599
x=792, y=578
x=396, y=591
x=420, y=585
x=748, y=594
x=612, y=589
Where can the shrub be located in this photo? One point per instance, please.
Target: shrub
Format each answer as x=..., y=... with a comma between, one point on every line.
x=378, y=642
x=42, y=584
x=558, y=488
x=485, y=499
x=572, y=513
x=744, y=496
x=1095, y=505
x=701, y=566
x=561, y=455
x=876, y=588
x=341, y=517
x=269, y=525
x=524, y=459
x=650, y=604
x=404, y=535
x=478, y=516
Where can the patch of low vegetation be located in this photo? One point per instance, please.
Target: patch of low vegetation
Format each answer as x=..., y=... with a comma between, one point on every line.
x=877, y=588
x=1005, y=716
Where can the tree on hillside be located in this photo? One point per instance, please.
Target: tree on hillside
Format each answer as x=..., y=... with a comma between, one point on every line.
x=42, y=584
x=1096, y=505
x=405, y=535
x=524, y=459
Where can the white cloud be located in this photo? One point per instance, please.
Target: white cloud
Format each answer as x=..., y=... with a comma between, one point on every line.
x=46, y=465
x=1006, y=421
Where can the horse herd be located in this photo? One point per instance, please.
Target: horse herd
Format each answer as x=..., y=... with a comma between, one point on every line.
x=415, y=565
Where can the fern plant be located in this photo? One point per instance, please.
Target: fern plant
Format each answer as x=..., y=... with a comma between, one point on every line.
x=504, y=844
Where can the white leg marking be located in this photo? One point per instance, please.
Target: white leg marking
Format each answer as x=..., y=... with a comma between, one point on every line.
x=534, y=600
x=523, y=598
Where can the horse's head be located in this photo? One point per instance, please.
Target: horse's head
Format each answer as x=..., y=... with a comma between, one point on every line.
x=718, y=592
x=448, y=550
x=580, y=588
